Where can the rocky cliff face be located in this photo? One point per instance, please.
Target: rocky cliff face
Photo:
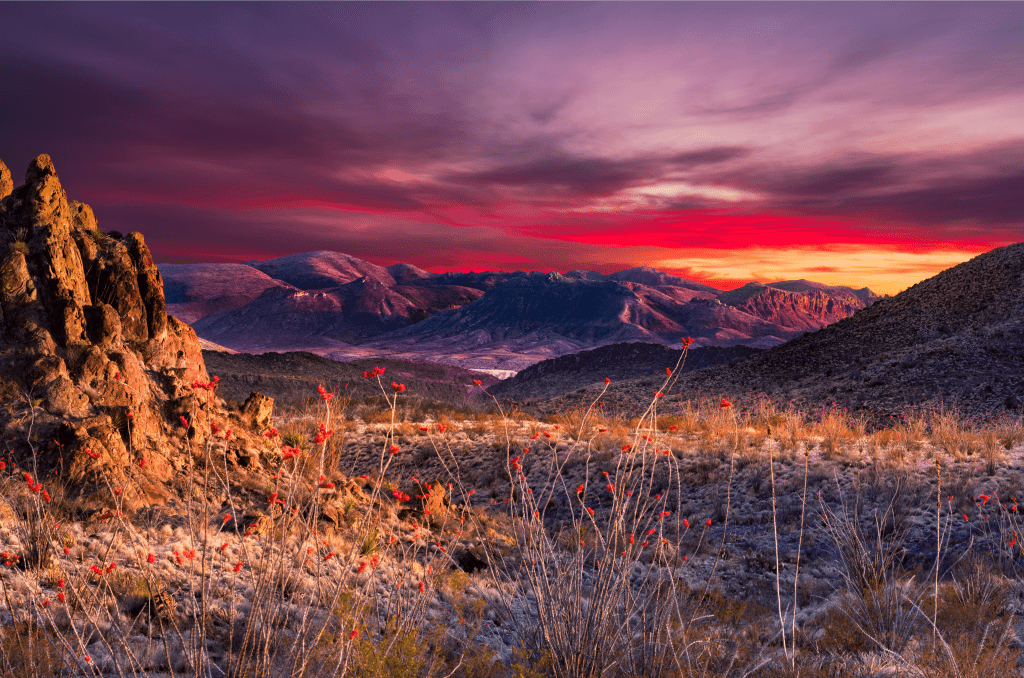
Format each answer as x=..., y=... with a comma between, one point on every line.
x=810, y=310
x=90, y=362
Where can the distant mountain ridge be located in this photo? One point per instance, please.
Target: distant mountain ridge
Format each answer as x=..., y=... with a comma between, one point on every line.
x=343, y=307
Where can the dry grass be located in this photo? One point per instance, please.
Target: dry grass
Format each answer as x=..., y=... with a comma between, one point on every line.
x=586, y=546
x=833, y=426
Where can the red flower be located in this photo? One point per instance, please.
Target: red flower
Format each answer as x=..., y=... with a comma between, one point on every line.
x=687, y=341
x=441, y=428
x=422, y=588
x=657, y=394
x=686, y=523
x=142, y=463
x=238, y=566
x=324, y=395
x=707, y=523
x=397, y=387
x=476, y=382
x=607, y=380
x=725, y=403
x=111, y=568
x=272, y=433
x=352, y=634
x=590, y=510
x=184, y=422
x=579, y=489
x=394, y=449
x=610, y=488
x=668, y=371
x=673, y=427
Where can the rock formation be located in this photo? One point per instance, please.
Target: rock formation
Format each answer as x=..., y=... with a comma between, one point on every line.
x=93, y=371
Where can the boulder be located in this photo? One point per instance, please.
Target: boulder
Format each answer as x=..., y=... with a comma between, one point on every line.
x=103, y=324
x=257, y=410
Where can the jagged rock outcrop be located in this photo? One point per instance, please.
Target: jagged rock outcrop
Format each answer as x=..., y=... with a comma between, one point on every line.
x=93, y=372
x=798, y=310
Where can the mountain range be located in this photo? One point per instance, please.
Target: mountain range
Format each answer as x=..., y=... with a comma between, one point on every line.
x=345, y=308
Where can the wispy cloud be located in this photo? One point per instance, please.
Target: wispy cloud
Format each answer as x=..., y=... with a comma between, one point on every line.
x=550, y=135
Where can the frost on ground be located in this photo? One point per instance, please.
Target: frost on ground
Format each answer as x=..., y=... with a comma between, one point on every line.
x=716, y=545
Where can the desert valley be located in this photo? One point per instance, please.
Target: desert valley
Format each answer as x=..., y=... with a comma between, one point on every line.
x=315, y=466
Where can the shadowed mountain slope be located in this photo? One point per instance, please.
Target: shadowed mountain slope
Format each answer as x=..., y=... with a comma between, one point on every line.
x=195, y=291
x=618, y=362
x=288, y=318
x=291, y=378
x=573, y=314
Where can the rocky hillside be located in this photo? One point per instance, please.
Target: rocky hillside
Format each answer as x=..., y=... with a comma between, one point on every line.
x=618, y=362
x=291, y=378
x=93, y=371
x=956, y=338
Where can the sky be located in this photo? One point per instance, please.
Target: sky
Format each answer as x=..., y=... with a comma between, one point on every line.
x=862, y=144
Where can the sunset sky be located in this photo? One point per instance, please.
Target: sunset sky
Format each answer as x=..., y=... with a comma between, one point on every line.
x=862, y=144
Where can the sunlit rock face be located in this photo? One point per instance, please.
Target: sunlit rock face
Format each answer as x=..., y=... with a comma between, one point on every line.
x=88, y=353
